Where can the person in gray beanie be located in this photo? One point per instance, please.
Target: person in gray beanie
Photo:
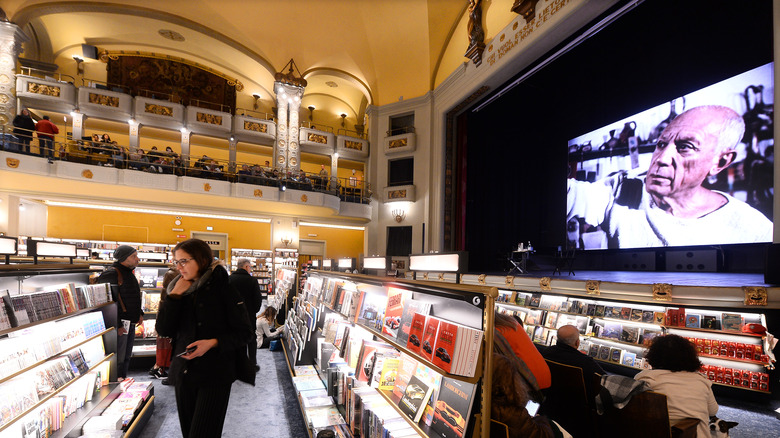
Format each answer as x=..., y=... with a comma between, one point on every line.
x=126, y=291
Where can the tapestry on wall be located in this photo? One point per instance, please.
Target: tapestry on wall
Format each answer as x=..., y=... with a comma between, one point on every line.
x=159, y=78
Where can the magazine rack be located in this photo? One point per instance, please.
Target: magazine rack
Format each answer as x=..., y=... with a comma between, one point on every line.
x=471, y=306
x=13, y=278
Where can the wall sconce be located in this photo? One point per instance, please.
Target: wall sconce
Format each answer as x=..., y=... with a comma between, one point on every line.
x=399, y=214
x=343, y=117
x=256, y=97
x=79, y=65
x=311, y=113
x=286, y=240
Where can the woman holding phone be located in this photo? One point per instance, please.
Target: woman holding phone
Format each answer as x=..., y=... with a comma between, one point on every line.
x=202, y=315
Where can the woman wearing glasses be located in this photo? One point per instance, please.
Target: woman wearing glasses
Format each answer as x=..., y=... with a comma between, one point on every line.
x=203, y=316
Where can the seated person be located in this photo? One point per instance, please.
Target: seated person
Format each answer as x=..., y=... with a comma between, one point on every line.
x=565, y=352
x=675, y=374
x=264, y=332
x=524, y=348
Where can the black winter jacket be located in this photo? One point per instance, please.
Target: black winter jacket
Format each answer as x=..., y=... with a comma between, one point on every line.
x=249, y=289
x=129, y=291
x=213, y=311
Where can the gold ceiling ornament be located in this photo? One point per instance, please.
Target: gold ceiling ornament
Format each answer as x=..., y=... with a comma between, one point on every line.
x=258, y=193
x=105, y=55
x=207, y=187
x=441, y=276
x=544, y=283
x=481, y=278
x=86, y=173
x=755, y=295
x=13, y=163
x=510, y=281
x=425, y=275
x=592, y=287
x=662, y=292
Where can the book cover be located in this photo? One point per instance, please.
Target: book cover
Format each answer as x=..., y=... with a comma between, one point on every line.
x=394, y=310
x=432, y=379
x=659, y=318
x=411, y=308
x=612, y=312
x=535, y=300
x=636, y=315
x=415, y=398
x=625, y=313
x=416, y=330
x=446, y=345
x=630, y=334
x=429, y=338
x=604, y=352
x=593, y=350
x=710, y=322
x=366, y=359
x=732, y=321
x=693, y=320
x=372, y=310
x=629, y=358
x=406, y=369
x=615, y=354
x=453, y=408
x=612, y=330
x=389, y=373
x=599, y=310
x=648, y=335
x=591, y=310
x=647, y=316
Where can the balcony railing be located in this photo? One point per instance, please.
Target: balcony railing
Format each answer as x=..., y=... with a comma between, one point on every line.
x=99, y=153
x=44, y=74
x=102, y=85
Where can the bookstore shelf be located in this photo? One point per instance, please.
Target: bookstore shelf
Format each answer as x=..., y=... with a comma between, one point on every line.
x=139, y=422
x=444, y=303
x=42, y=361
x=99, y=401
x=108, y=357
x=290, y=369
x=57, y=318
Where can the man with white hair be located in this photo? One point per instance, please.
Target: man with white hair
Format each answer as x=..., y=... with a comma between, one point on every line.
x=671, y=207
x=565, y=352
x=246, y=285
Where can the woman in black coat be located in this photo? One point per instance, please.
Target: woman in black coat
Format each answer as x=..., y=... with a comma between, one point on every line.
x=207, y=322
x=24, y=126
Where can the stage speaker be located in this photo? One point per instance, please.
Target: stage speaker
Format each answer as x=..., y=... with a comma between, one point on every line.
x=692, y=261
x=631, y=261
x=772, y=264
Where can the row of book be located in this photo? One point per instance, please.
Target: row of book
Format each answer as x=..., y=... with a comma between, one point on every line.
x=448, y=345
x=21, y=393
x=625, y=332
x=51, y=415
x=611, y=353
x=675, y=317
x=22, y=309
x=736, y=377
x=23, y=348
x=736, y=350
x=118, y=415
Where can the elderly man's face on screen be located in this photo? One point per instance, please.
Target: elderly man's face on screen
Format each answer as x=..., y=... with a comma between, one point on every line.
x=687, y=151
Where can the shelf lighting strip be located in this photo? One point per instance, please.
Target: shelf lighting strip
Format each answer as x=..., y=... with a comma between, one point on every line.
x=156, y=211
x=343, y=227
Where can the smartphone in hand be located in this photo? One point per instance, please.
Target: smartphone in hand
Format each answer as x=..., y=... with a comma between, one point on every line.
x=187, y=351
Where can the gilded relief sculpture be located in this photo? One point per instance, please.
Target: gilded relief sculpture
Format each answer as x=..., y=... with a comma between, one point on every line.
x=476, y=32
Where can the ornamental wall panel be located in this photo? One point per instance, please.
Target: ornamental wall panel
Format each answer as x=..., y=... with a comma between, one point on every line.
x=207, y=121
x=204, y=186
x=257, y=192
x=106, y=104
x=401, y=143
x=46, y=94
x=399, y=193
x=315, y=141
x=351, y=148
x=86, y=172
x=159, y=113
x=251, y=129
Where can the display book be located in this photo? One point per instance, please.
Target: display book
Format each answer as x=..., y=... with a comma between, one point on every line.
x=382, y=386
x=284, y=259
x=620, y=332
x=55, y=371
x=150, y=278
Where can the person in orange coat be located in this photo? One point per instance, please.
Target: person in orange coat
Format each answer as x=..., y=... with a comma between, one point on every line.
x=46, y=130
x=524, y=348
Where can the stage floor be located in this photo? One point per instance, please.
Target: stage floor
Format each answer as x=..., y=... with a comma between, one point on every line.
x=718, y=279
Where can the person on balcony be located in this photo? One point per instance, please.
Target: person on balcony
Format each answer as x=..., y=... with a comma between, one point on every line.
x=46, y=130
x=24, y=126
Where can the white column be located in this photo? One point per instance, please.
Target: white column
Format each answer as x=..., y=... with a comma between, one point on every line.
x=11, y=39
x=232, y=142
x=185, y=146
x=280, y=147
x=334, y=170
x=293, y=156
x=133, y=128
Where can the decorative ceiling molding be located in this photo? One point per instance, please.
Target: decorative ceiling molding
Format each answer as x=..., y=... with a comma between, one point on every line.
x=347, y=76
x=105, y=55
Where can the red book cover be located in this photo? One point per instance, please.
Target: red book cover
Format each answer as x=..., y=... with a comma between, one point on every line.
x=429, y=338
x=681, y=317
x=446, y=341
x=416, y=331
x=394, y=310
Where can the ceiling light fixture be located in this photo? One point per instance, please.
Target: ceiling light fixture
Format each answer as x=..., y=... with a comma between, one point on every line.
x=343, y=118
x=257, y=98
x=156, y=211
x=311, y=113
